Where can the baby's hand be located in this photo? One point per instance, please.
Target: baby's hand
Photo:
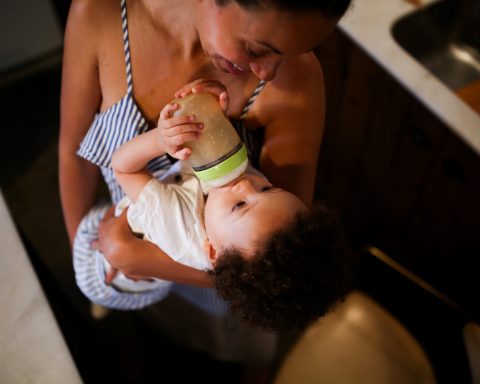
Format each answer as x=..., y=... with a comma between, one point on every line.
x=216, y=88
x=174, y=131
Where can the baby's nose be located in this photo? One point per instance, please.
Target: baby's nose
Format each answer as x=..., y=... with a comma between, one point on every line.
x=244, y=186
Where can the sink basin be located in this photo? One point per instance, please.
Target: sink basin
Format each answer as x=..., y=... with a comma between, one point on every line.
x=445, y=37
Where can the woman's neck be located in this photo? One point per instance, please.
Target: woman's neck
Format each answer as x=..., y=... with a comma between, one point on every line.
x=176, y=19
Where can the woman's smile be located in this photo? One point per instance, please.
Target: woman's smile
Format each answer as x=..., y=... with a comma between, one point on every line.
x=229, y=67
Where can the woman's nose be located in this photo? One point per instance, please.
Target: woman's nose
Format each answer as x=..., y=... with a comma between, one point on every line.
x=265, y=70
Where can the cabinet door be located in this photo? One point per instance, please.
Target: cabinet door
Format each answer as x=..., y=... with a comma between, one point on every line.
x=377, y=150
x=404, y=147
x=349, y=103
x=400, y=179
x=446, y=226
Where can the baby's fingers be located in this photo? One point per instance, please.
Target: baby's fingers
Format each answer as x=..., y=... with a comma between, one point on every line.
x=224, y=101
x=110, y=275
x=181, y=138
x=182, y=129
x=183, y=154
x=179, y=120
x=187, y=89
x=167, y=111
x=214, y=87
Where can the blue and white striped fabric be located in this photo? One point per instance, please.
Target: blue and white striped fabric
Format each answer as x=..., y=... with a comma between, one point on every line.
x=115, y=126
x=109, y=130
x=90, y=271
x=250, y=101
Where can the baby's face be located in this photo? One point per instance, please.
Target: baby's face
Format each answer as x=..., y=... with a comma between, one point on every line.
x=245, y=210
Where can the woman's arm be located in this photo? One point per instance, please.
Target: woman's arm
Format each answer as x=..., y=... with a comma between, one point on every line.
x=118, y=244
x=80, y=100
x=292, y=110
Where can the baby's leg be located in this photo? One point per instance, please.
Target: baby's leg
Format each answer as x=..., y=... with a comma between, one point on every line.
x=90, y=267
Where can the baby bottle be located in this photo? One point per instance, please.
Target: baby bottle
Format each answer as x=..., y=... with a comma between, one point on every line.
x=218, y=156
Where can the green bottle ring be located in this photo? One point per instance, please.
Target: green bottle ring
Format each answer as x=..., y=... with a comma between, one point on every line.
x=225, y=167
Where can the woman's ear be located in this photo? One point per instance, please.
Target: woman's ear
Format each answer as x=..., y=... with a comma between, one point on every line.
x=210, y=251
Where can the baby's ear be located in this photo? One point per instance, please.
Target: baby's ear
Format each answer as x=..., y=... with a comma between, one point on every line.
x=210, y=251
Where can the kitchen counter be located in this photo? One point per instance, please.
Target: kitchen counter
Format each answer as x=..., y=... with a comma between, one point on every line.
x=368, y=23
x=32, y=347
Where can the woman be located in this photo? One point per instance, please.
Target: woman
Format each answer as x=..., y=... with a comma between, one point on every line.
x=116, y=81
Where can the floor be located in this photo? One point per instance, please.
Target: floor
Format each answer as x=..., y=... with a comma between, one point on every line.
x=122, y=347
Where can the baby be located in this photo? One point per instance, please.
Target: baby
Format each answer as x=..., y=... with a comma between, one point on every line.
x=279, y=264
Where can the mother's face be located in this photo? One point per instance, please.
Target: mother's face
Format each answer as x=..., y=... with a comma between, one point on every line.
x=240, y=41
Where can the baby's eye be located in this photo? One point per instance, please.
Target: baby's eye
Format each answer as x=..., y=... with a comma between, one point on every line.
x=238, y=204
x=268, y=188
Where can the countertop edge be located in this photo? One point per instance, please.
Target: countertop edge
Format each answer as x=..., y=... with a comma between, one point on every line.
x=33, y=348
x=377, y=41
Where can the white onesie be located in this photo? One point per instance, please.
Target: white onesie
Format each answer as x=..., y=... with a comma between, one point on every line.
x=169, y=213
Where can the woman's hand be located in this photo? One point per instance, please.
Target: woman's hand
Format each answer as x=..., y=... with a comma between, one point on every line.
x=140, y=259
x=174, y=131
x=113, y=236
x=216, y=88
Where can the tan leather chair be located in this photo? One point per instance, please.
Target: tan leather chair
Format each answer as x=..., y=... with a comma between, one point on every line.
x=394, y=329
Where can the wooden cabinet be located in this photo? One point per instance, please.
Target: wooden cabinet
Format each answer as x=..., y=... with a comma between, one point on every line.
x=399, y=177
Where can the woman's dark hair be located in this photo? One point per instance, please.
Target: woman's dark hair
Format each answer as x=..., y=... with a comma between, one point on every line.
x=329, y=8
x=298, y=275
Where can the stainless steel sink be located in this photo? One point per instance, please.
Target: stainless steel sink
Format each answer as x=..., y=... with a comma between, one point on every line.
x=445, y=38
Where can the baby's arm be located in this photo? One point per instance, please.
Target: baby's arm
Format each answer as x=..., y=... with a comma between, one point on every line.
x=129, y=161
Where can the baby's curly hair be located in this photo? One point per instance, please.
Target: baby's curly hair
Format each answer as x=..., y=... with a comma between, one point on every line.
x=298, y=275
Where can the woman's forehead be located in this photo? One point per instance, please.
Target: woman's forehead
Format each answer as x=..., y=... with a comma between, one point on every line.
x=287, y=32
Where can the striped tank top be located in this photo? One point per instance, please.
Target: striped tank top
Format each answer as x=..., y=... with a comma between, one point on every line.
x=124, y=120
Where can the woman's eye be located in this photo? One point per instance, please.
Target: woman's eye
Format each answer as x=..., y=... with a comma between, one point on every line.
x=255, y=55
x=268, y=188
x=237, y=205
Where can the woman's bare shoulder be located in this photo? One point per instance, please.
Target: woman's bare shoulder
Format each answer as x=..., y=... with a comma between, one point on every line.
x=297, y=87
x=292, y=110
x=94, y=15
x=298, y=71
